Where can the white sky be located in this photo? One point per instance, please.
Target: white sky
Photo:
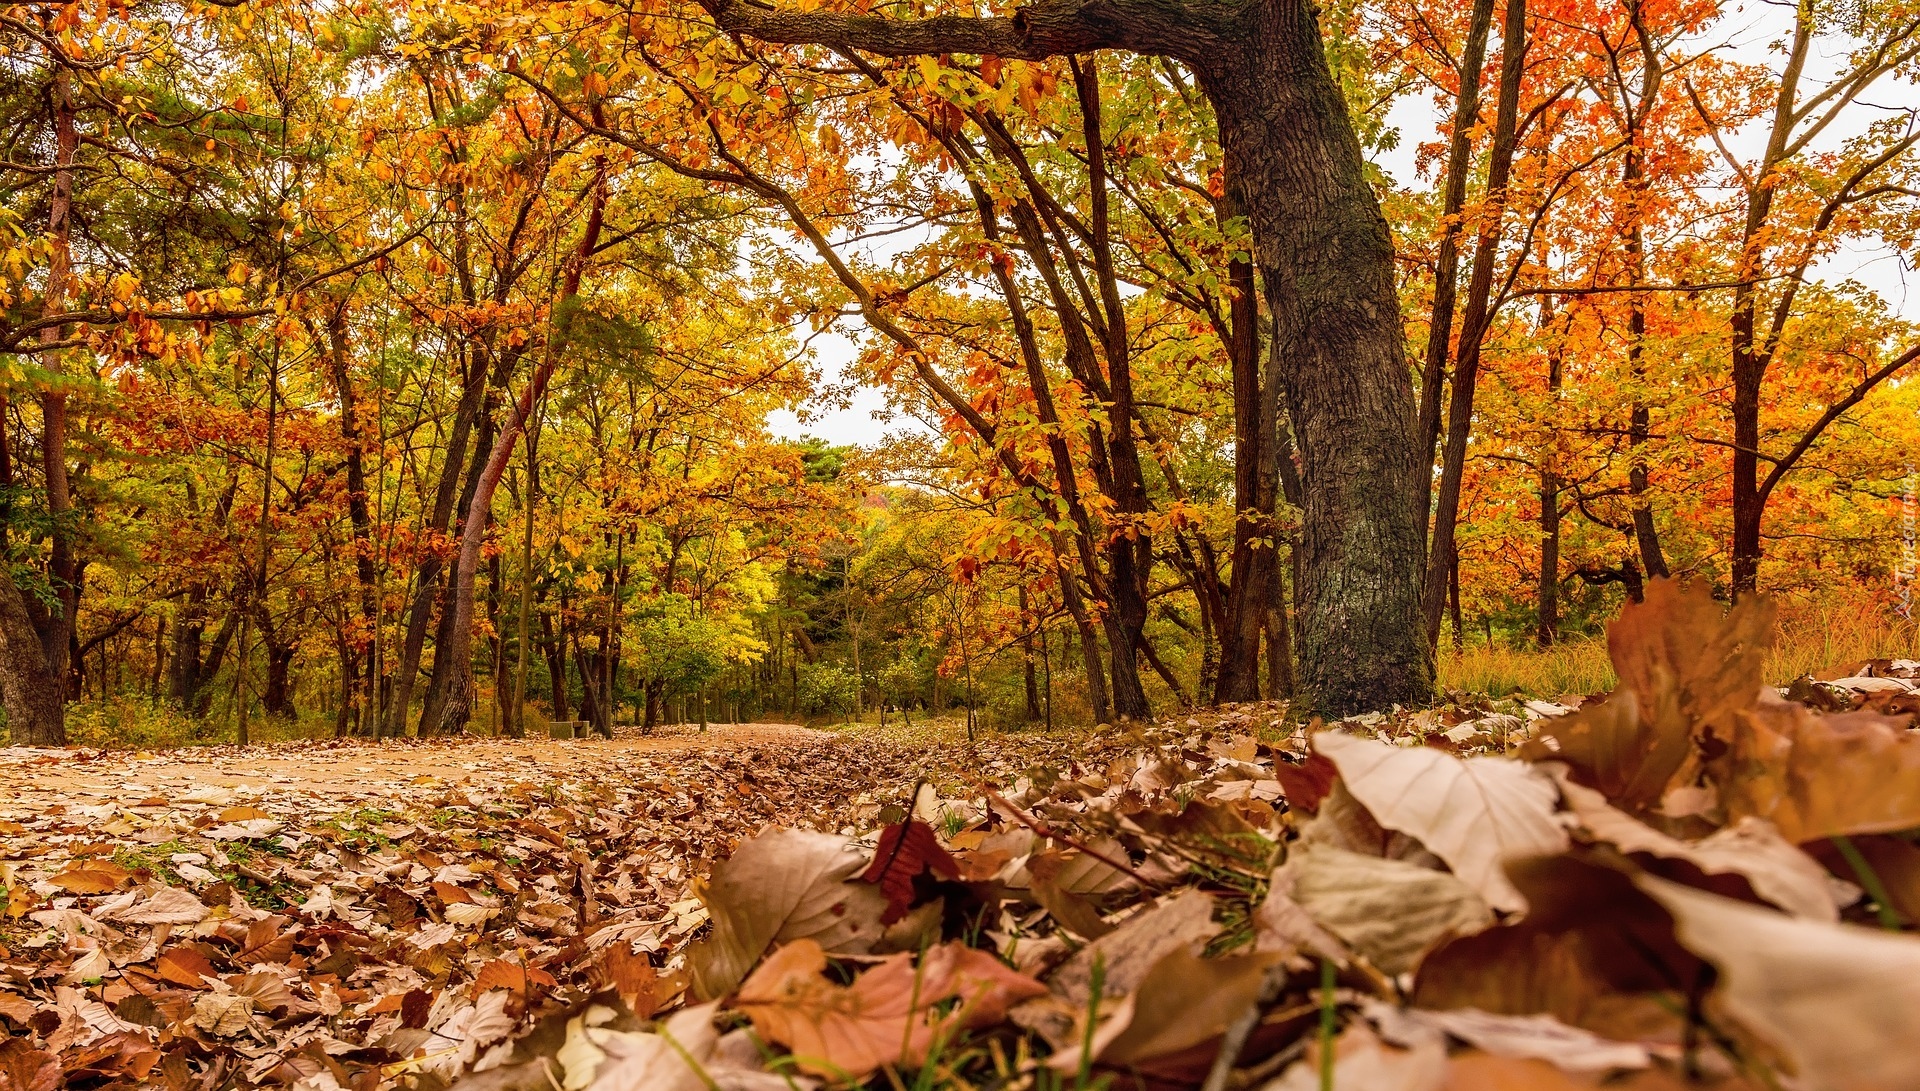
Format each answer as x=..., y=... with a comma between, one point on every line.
x=1750, y=29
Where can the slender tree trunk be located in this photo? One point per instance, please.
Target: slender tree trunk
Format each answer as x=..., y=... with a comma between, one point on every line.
x=1239, y=677
x=1446, y=268
x=359, y=514
x=460, y=693
x=1547, y=597
x=1473, y=323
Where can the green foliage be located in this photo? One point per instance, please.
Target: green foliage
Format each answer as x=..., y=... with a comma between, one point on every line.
x=826, y=687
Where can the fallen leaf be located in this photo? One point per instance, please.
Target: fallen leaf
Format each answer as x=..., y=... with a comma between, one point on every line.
x=184, y=966
x=1751, y=848
x=1472, y=812
x=783, y=885
x=907, y=849
x=91, y=877
x=1684, y=668
x=1834, y=998
x=889, y=1015
x=1539, y=1037
x=1182, y=1002
x=163, y=905
x=1818, y=775
x=1390, y=911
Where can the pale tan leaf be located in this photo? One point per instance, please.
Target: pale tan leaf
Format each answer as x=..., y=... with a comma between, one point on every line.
x=1362, y=1062
x=1841, y=1001
x=1390, y=911
x=685, y=1053
x=1537, y=1036
x=165, y=905
x=1473, y=812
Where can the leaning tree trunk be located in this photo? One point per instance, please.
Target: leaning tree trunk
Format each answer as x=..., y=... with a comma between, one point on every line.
x=459, y=701
x=1325, y=259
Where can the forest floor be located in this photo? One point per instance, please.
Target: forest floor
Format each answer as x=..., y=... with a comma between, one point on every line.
x=1222, y=898
x=346, y=771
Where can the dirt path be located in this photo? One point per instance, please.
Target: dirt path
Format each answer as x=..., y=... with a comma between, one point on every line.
x=336, y=773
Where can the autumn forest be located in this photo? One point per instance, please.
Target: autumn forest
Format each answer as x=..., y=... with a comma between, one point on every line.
x=857, y=385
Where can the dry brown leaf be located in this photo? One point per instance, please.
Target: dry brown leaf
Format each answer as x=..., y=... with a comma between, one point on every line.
x=1593, y=951
x=1539, y=1037
x=184, y=966
x=1751, y=848
x=889, y=1015
x=1684, y=667
x=1387, y=910
x=784, y=885
x=1820, y=775
x=1842, y=1002
x=1472, y=812
x=1891, y=862
x=1182, y=1002
x=91, y=877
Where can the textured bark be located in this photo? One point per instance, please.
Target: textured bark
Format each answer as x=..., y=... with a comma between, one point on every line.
x=34, y=695
x=1327, y=261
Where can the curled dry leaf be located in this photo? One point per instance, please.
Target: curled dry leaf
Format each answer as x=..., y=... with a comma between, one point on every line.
x=1842, y=1002
x=890, y=1014
x=1683, y=668
x=781, y=886
x=1751, y=849
x=1472, y=812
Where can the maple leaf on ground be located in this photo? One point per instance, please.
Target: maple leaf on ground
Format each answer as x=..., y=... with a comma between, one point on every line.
x=907, y=850
x=889, y=1015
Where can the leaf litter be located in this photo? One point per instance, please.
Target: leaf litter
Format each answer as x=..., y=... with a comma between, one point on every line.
x=1695, y=881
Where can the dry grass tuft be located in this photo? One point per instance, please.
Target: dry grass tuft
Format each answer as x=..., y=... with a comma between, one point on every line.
x=1816, y=635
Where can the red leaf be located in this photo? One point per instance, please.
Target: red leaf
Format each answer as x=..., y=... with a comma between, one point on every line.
x=906, y=850
x=1306, y=784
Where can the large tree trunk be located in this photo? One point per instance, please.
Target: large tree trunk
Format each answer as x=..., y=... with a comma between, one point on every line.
x=34, y=695
x=1327, y=260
